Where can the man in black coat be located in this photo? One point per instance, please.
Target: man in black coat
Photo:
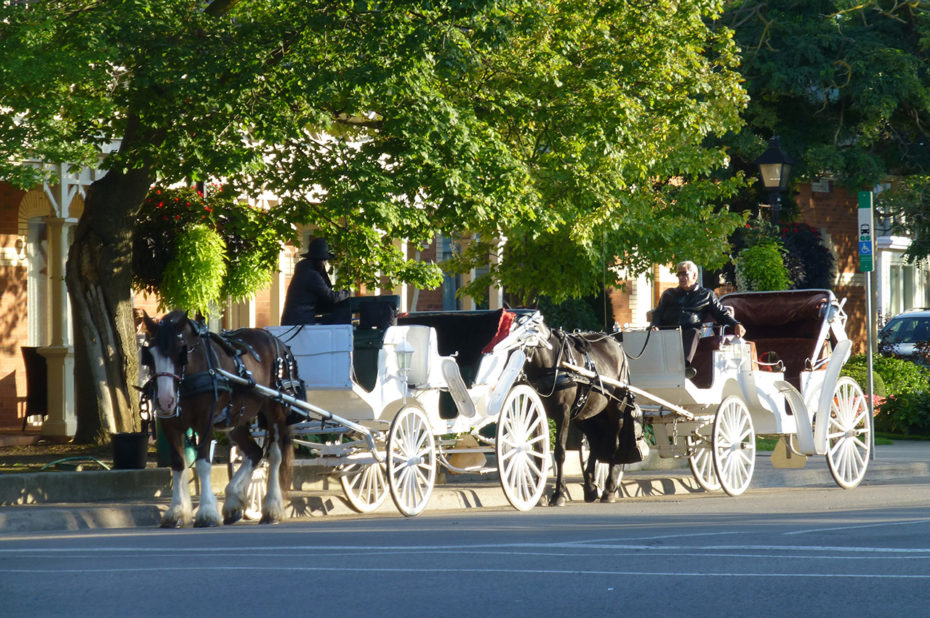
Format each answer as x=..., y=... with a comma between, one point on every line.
x=686, y=306
x=310, y=293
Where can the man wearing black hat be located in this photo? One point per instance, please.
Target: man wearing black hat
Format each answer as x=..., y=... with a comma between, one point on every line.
x=311, y=293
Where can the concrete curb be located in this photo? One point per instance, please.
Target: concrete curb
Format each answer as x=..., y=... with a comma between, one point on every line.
x=136, y=498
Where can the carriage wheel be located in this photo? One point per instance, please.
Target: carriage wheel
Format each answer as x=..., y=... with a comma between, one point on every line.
x=523, y=447
x=733, y=446
x=849, y=439
x=411, y=461
x=600, y=471
x=258, y=486
x=365, y=486
x=701, y=458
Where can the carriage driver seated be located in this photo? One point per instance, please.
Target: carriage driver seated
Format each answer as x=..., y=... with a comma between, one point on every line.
x=685, y=306
x=310, y=296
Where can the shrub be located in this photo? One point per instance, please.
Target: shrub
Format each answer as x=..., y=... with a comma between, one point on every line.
x=905, y=413
x=804, y=246
x=857, y=369
x=572, y=314
x=895, y=374
x=901, y=376
x=762, y=267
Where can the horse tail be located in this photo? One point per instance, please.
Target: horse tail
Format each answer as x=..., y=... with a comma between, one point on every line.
x=286, y=444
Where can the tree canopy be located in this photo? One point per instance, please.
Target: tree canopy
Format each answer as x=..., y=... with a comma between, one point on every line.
x=573, y=130
x=846, y=85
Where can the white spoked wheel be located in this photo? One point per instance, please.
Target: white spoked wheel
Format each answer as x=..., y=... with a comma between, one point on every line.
x=601, y=470
x=701, y=459
x=365, y=486
x=411, y=461
x=849, y=434
x=734, y=446
x=522, y=447
x=258, y=486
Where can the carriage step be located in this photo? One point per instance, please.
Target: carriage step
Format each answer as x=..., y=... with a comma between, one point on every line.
x=450, y=371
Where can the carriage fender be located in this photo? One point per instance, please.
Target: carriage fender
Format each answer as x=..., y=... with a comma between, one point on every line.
x=505, y=382
x=802, y=417
x=822, y=414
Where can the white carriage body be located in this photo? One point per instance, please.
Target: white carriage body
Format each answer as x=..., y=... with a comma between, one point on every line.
x=783, y=380
x=325, y=360
x=359, y=385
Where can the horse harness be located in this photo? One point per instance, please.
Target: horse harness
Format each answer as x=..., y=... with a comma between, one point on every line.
x=210, y=381
x=563, y=380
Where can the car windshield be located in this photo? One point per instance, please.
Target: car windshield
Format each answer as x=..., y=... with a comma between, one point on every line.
x=906, y=330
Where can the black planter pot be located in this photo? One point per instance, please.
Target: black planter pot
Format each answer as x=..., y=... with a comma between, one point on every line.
x=130, y=450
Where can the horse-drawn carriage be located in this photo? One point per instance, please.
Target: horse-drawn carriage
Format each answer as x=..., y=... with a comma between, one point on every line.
x=384, y=408
x=426, y=392
x=420, y=387
x=782, y=380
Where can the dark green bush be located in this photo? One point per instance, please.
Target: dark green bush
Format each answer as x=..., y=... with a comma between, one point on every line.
x=896, y=375
x=901, y=376
x=905, y=413
x=573, y=314
x=857, y=369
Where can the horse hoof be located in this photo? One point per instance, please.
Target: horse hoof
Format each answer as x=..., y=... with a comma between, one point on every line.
x=169, y=523
x=267, y=519
x=590, y=496
x=232, y=518
x=557, y=500
x=206, y=523
x=610, y=497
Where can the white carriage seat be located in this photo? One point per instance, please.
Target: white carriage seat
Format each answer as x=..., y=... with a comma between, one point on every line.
x=491, y=366
x=422, y=339
x=661, y=364
x=456, y=386
x=323, y=353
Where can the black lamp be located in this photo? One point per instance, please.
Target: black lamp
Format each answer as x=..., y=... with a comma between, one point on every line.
x=774, y=166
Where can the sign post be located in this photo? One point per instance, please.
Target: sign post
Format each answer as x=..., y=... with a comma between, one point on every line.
x=866, y=265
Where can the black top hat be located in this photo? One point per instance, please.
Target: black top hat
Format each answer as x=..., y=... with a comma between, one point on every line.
x=319, y=250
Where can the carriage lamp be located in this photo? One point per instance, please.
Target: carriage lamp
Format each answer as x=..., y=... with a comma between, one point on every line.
x=404, y=352
x=774, y=167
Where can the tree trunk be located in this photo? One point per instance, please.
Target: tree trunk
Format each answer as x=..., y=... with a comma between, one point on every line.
x=99, y=277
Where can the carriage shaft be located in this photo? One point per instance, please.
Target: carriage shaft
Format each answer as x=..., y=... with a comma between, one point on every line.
x=610, y=381
x=307, y=407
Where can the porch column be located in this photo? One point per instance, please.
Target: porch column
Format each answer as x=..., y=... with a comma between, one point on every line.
x=401, y=290
x=61, y=422
x=496, y=291
x=277, y=293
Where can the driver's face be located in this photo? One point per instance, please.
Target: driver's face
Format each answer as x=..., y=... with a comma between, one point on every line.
x=686, y=278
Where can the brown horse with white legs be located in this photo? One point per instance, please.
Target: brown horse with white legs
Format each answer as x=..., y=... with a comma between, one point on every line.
x=189, y=393
x=607, y=415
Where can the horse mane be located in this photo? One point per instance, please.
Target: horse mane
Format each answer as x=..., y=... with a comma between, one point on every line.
x=168, y=328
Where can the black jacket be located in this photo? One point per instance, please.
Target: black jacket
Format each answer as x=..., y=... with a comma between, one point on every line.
x=309, y=293
x=690, y=308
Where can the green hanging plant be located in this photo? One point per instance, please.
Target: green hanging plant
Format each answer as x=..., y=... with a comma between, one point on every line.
x=193, y=279
x=252, y=238
x=761, y=267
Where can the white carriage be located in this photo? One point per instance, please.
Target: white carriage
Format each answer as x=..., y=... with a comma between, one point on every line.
x=386, y=407
x=782, y=380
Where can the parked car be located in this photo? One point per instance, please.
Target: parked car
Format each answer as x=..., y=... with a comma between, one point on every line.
x=904, y=331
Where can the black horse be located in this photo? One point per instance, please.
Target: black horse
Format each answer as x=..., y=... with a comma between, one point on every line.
x=188, y=393
x=607, y=415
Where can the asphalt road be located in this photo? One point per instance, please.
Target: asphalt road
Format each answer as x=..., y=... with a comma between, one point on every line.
x=771, y=552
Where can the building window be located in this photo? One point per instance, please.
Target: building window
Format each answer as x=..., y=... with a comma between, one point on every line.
x=908, y=285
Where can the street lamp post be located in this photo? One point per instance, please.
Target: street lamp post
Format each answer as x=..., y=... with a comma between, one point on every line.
x=774, y=166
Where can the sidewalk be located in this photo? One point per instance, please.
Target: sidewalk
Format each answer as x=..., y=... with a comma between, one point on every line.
x=51, y=501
